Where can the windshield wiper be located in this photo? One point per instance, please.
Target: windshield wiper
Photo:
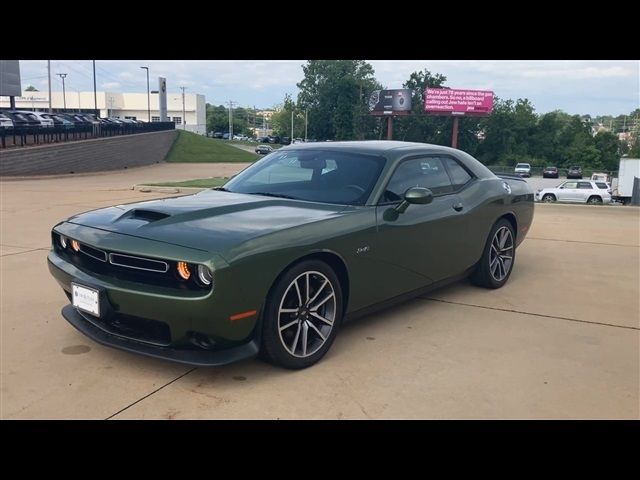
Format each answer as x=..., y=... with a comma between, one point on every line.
x=269, y=194
x=220, y=189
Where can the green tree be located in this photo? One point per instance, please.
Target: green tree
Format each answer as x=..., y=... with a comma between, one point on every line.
x=609, y=147
x=31, y=88
x=217, y=118
x=335, y=93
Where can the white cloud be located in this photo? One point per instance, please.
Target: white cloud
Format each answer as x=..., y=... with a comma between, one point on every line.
x=110, y=85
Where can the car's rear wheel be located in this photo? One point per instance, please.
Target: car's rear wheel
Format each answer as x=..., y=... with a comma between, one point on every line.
x=498, y=257
x=302, y=315
x=594, y=200
x=548, y=197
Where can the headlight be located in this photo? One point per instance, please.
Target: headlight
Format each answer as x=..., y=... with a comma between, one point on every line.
x=204, y=275
x=183, y=270
x=63, y=241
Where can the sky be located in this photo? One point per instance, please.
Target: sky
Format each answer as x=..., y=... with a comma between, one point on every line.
x=596, y=87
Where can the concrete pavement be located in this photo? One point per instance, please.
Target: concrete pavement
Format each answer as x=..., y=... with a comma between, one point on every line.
x=560, y=340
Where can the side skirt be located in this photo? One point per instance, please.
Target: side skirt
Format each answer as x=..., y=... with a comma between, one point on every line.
x=376, y=307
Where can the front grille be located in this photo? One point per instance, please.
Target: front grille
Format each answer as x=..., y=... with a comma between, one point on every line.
x=138, y=263
x=93, y=252
x=143, y=270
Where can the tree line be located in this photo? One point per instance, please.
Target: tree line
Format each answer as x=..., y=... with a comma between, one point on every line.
x=334, y=95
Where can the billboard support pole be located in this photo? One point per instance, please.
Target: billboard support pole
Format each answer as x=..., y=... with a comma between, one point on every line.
x=454, y=136
x=390, y=128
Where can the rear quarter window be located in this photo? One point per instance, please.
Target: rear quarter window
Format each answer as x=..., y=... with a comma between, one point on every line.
x=602, y=185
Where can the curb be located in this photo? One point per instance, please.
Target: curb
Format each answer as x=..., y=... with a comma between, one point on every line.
x=152, y=188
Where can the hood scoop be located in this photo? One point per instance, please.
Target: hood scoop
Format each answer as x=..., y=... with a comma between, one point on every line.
x=144, y=215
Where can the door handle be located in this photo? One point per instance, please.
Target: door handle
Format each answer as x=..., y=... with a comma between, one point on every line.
x=458, y=206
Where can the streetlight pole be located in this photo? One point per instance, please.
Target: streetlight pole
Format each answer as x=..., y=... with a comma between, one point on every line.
x=95, y=93
x=148, y=96
x=49, y=75
x=64, y=94
x=291, y=125
x=305, y=124
x=184, y=123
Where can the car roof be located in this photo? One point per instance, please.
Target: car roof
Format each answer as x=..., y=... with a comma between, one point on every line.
x=375, y=146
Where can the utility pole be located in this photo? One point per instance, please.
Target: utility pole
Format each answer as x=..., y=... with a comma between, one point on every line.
x=95, y=93
x=64, y=95
x=292, y=126
x=231, y=103
x=184, y=123
x=148, y=96
x=49, y=74
x=306, y=110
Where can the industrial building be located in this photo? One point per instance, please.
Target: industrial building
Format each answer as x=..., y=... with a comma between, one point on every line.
x=191, y=115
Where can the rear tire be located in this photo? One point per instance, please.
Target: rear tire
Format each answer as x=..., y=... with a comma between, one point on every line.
x=499, y=255
x=302, y=315
x=594, y=200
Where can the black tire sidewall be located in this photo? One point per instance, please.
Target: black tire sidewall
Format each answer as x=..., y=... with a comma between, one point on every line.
x=272, y=349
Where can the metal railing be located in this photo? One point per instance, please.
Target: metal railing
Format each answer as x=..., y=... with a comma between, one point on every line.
x=38, y=135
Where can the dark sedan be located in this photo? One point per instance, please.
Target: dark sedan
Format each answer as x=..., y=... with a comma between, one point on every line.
x=574, y=172
x=550, y=172
x=264, y=149
x=275, y=260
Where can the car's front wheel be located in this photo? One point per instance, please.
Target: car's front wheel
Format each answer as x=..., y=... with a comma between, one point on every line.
x=302, y=315
x=496, y=264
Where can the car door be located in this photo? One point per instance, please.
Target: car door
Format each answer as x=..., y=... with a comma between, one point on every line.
x=585, y=190
x=568, y=192
x=424, y=239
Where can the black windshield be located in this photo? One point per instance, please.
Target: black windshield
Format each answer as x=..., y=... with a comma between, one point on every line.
x=326, y=176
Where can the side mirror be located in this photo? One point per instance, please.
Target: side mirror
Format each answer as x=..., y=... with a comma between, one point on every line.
x=417, y=196
x=561, y=187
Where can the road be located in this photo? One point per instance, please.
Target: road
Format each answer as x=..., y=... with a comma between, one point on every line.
x=560, y=340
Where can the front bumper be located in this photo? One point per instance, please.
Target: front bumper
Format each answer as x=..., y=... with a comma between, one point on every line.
x=195, y=357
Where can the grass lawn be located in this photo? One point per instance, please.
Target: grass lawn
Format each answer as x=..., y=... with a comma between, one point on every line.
x=193, y=148
x=275, y=146
x=197, y=183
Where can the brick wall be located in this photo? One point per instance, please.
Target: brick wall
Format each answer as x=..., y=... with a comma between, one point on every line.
x=99, y=154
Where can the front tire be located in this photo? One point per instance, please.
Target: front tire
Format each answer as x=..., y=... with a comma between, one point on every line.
x=302, y=315
x=498, y=257
x=548, y=197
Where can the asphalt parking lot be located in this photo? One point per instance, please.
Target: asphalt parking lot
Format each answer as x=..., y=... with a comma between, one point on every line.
x=560, y=340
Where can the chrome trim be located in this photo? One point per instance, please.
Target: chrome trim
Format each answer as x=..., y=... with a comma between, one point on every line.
x=166, y=265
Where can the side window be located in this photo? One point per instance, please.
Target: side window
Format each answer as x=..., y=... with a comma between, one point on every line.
x=602, y=185
x=459, y=176
x=426, y=172
x=570, y=185
x=585, y=185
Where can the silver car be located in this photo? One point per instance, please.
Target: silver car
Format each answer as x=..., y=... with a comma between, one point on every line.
x=576, y=191
x=523, y=169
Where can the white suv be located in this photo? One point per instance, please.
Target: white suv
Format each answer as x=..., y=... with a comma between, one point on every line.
x=523, y=169
x=579, y=191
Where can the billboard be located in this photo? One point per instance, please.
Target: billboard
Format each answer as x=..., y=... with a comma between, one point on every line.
x=390, y=102
x=10, y=78
x=449, y=101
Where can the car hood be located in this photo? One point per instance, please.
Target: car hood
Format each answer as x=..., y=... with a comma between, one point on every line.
x=211, y=220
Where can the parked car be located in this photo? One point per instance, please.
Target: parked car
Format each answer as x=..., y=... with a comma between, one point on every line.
x=273, y=261
x=600, y=177
x=217, y=134
x=39, y=116
x=523, y=169
x=285, y=141
x=584, y=191
x=58, y=121
x=21, y=119
x=297, y=140
x=240, y=137
x=262, y=139
x=5, y=121
x=274, y=139
x=574, y=172
x=264, y=149
x=225, y=136
x=550, y=172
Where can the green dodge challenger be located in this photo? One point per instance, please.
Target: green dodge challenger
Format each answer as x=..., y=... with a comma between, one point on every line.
x=274, y=261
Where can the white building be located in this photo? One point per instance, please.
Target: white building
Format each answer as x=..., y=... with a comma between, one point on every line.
x=120, y=105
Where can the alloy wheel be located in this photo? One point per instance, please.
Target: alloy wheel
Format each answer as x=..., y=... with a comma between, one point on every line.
x=501, y=254
x=306, y=314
